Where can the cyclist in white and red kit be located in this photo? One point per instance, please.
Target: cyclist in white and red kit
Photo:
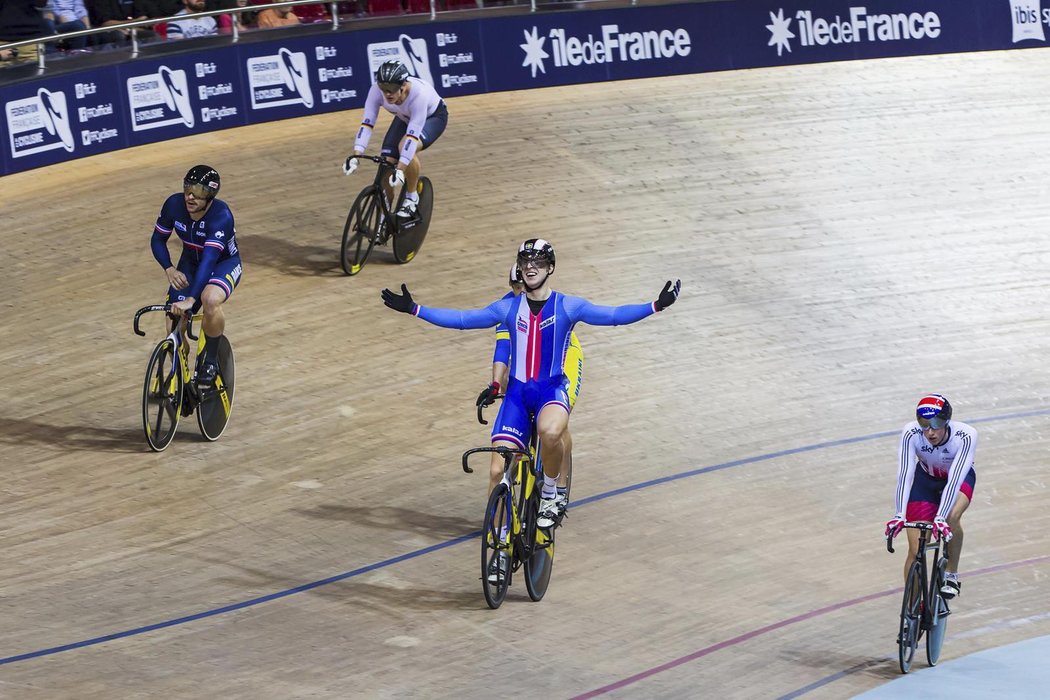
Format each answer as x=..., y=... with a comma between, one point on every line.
x=935, y=481
x=420, y=117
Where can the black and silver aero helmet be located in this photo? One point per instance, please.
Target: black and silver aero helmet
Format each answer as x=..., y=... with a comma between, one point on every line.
x=202, y=181
x=535, y=249
x=391, y=73
x=515, y=275
x=933, y=411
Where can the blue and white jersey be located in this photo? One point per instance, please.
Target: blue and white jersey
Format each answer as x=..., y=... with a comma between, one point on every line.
x=538, y=342
x=950, y=462
x=205, y=243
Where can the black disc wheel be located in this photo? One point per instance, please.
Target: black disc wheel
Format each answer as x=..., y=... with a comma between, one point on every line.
x=540, y=560
x=216, y=403
x=496, y=551
x=911, y=619
x=361, y=231
x=162, y=396
x=409, y=237
x=938, y=622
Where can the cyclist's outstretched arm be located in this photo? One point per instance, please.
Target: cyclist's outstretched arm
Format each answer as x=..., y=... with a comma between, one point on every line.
x=595, y=315
x=459, y=319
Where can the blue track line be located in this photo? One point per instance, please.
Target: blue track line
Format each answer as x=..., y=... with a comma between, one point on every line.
x=464, y=538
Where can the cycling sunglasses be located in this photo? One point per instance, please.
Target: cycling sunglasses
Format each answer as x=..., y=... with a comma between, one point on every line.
x=198, y=190
x=390, y=87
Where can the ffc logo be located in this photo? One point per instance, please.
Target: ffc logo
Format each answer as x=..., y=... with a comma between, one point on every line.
x=39, y=123
x=412, y=52
x=279, y=80
x=159, y=99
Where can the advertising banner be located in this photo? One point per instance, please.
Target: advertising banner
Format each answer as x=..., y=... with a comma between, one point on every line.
x=55, y=119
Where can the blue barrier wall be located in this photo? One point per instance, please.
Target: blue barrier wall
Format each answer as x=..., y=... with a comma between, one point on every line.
x=143, y=101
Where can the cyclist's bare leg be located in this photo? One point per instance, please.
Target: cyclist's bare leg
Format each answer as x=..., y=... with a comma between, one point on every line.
x=212, y=299
x=955, y=523
x=552, y=423
x=496, y=465
x=913, y=551
x=496, y=472
x=563, y=478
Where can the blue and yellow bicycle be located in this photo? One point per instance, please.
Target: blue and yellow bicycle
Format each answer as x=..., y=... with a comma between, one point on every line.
x=171, y=390
x=513, y=508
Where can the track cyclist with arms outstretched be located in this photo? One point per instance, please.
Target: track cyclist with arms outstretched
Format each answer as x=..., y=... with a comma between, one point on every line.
x=540, y=322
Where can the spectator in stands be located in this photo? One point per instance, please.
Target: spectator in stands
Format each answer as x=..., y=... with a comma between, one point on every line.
x=307, y=14
x=106, y=13
x=276, y=17
x=244, y=20
x=21, y=20
x=64, y=16
x=190, y=28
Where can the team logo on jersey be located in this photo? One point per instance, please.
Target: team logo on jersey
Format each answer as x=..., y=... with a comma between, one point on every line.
x=39, y=123
x=160, y=99
x=279, y=79
x=1027, y=18
x=412, y=52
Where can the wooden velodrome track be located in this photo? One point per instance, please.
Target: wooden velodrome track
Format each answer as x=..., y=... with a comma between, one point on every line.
x=849, y=236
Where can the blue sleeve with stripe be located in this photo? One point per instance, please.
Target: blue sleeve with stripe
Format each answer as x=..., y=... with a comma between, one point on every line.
x=502, y=351
x=459, y=319
x=583, y=310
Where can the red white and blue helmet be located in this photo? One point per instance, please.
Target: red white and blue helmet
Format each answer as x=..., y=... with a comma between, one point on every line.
x=933, y=411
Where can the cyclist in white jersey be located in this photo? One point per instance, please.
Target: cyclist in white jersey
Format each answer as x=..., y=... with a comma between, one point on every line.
x=420, y=117
x=935, y=481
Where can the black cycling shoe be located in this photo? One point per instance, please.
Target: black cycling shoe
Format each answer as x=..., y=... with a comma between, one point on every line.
x=207, y=374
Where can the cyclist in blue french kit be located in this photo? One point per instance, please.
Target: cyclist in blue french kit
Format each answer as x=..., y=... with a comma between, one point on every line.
x=209, y=268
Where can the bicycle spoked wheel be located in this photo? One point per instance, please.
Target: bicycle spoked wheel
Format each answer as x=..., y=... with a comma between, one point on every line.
x=911, y=619
x=216, y=403
x=162, y=396
x=409, y=237
x=938, y=621
x=540, y=563
x=360, y=231
x=496, y=579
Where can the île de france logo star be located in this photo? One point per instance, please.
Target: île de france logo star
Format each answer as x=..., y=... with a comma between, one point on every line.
x=780, y=31
x=534, y=53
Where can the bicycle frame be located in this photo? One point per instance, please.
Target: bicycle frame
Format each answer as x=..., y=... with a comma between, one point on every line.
x=182, y=325
x=934, y=608
x=380, y=183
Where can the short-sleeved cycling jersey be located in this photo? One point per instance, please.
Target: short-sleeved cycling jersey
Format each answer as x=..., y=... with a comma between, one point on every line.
x=422, y=102
x=209, y=246
x=950, y=463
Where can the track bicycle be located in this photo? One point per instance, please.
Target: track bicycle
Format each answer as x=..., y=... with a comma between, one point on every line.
x=171, y=389
x=372, y=220
x=513, y=507
x=923, y=608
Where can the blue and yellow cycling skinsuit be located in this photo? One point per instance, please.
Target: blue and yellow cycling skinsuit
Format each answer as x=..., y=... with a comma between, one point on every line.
x=539, y=344
x=209, y=247
x=573, y=365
